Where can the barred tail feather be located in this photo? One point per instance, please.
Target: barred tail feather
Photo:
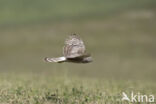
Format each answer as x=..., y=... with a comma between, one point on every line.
x=58, y=60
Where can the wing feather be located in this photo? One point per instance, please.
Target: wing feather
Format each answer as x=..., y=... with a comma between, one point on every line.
x=58, y=60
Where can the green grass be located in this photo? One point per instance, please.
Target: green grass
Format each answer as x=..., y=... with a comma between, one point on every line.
x=27, y=12
x=38, y=89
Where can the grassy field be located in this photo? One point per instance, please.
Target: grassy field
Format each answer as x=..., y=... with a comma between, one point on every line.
x=38, y=89
x=120, y=35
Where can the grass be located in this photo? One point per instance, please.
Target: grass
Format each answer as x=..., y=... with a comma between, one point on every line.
x=25, y=89
x=120, y=35
x=28, y=12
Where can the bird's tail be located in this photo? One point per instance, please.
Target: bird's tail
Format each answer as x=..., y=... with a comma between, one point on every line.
x=58, y=60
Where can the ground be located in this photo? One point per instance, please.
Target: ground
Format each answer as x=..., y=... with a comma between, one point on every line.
x=40, y=89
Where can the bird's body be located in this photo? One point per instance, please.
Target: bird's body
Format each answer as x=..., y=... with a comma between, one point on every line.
x=73, y=51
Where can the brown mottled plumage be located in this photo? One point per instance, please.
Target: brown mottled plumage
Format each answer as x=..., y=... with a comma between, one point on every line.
x=73, y=51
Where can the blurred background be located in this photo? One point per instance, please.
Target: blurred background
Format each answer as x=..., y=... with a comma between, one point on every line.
x=120, y=35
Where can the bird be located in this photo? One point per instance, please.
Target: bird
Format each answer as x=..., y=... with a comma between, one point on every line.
x=73, y=51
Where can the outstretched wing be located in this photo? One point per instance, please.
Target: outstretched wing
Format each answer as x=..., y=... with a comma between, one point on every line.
x=58, y=60
x=74, y=47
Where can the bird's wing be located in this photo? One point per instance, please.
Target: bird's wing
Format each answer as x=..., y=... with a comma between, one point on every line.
x=58, y=60
x=74, y=47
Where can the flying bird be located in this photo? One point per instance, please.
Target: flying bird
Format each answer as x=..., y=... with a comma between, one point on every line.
x=73, y=51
